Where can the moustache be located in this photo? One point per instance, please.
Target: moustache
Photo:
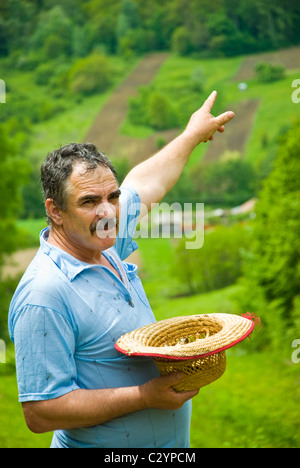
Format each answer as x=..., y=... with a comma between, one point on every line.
x=104, y=225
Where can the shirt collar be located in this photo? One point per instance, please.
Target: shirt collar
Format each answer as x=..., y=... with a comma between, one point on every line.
x=70, y=266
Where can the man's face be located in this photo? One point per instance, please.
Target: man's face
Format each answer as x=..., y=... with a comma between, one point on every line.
x=91, y=220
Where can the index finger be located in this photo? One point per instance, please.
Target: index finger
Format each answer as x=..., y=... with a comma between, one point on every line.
x=209, y=103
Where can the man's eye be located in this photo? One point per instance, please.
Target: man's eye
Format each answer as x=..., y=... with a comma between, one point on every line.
x=88, y=202
x=114, y=198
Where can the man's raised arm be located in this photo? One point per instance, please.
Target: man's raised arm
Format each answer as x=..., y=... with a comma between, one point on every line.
x=155, y=177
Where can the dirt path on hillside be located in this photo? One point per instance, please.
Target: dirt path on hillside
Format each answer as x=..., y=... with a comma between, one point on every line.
x=104, y=132
x=237, y=132
x=289, y=58
x=17, y=263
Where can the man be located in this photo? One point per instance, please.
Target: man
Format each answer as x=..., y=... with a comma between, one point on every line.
x=78, y=297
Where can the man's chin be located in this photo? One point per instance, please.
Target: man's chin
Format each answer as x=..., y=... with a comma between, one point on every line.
x=105, y=238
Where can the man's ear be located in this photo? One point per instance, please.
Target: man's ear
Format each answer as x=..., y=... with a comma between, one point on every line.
x=53, y=211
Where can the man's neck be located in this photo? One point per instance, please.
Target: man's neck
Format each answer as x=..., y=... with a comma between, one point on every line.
x=87, y=255
x=92, y=257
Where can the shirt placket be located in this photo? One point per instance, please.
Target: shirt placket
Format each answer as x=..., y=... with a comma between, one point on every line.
x=124, y=283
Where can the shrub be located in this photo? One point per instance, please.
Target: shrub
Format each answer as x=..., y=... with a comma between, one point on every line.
x=181, y=42
x=153, y=109
x=216, y=265
x=90, y=74
x=44, y=73
x=228, y=181
x=267, y=73
x=161, y=112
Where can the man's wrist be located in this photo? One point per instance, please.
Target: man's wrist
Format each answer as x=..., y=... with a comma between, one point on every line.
x=144, y=397
x=190, y=140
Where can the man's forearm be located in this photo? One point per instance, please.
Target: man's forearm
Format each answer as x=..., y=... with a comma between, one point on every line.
x=85, y=408
x=81, y=408
x=156, y=176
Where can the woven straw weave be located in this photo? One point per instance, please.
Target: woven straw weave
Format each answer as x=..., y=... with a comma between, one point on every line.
x=198, y=372
x=165, y=337
x=194, y=345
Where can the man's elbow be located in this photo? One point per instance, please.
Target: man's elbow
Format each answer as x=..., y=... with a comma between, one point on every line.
x=34, y=422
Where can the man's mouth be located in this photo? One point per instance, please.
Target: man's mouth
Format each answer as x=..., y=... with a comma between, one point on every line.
x=105, y=227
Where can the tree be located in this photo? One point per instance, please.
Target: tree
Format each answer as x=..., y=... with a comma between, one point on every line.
x=161, y=112
x=128, y=18
x=53, y=33
x=90, y=74
x=272, y=270
x=152, y=108
x=231, y=181
x=267, y=73
x=181, y=42
x=13, y=173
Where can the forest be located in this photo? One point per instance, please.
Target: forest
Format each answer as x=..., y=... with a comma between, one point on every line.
x=75, y=28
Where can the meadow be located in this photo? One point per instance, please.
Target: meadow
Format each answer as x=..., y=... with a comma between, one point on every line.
x=256, y=403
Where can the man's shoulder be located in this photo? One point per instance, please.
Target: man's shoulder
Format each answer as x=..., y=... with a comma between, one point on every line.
x=42, y=284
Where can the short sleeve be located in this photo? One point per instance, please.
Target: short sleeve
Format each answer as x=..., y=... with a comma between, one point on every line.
x=45, y=347
x=130, y=210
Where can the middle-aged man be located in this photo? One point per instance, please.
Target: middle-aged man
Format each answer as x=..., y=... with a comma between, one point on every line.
x=78, y=297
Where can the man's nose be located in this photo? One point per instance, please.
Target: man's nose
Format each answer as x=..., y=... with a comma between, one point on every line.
x=106, y=210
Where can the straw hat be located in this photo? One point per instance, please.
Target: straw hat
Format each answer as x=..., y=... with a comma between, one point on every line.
x=194, y=345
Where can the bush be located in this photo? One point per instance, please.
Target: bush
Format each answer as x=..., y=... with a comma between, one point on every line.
x=161, y=112
x=181, y=42
x=197, y=80
x=228, y=181
x=267, y=73
x=153, y=109
x=217, y=265
x=43, y=73
x=91, y=74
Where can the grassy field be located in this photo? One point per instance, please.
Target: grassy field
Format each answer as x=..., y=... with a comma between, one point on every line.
x=13, y=430
x=256, y=403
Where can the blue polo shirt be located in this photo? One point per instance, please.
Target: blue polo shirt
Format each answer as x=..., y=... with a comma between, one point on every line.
x=65, y=318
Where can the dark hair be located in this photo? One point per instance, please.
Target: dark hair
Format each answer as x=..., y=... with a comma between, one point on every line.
x=58, y=167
